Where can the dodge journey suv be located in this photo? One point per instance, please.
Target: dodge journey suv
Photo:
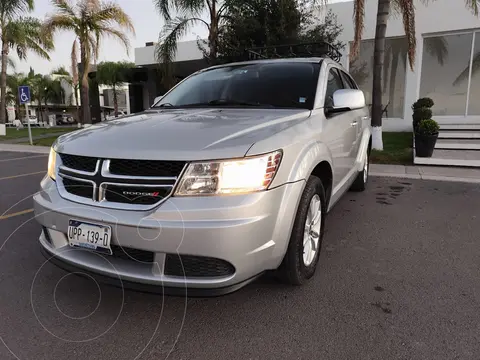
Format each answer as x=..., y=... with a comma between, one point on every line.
x=229, y=175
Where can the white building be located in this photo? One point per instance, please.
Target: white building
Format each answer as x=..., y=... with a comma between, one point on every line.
x=448, y=43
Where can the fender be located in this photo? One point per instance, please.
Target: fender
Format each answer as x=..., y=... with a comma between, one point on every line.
x=297, y=165
x=362, y=150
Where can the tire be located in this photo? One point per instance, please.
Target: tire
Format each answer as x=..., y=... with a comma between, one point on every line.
x=361, y=181
x=296, y=267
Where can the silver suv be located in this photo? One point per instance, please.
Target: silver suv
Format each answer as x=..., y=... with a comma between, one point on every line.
x=230, y=175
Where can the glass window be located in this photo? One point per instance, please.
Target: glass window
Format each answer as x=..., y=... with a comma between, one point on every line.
x=347, y=81
x=279, y=85
x=444, y=60
x=334, y=83
x=473, y=103
x=361, y=69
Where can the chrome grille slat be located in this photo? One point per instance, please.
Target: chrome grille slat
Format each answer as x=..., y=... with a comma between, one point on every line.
x=149, y=187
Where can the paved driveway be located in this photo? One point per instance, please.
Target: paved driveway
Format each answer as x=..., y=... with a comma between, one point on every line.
x=398, y=279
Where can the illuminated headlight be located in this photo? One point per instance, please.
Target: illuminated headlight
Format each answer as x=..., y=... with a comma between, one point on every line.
x=229, y=176
x=52, y=159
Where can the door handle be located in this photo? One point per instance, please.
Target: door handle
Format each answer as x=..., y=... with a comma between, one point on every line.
x=354, y=123
x=364, y=118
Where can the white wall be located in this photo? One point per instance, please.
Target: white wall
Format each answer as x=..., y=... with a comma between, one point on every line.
x=439, y=16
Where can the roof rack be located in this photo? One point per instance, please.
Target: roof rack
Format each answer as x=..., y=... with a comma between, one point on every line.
x=313, y=49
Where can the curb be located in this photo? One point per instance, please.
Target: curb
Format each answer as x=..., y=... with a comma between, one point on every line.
x=427, y=177
x=25, y=148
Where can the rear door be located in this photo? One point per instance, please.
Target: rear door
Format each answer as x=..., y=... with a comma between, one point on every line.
x=339, y=132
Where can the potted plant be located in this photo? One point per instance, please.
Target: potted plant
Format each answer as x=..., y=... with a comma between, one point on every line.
x=426, y=137
x=425, y=130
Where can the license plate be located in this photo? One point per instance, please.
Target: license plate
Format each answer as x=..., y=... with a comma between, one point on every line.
x=90, y=236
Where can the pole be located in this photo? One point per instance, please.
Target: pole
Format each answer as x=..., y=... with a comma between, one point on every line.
x=28, y=124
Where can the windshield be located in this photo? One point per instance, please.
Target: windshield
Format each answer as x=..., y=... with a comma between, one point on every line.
x=270, y=85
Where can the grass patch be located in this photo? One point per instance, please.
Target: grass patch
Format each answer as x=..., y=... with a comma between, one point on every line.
x=48, y=141
x=397, y=149
x=13, y=133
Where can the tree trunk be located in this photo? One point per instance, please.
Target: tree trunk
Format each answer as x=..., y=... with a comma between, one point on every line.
x=46, y=111
x=213, y=33
x=115, y=101
x=3, y=84
x=75, y=89
x=378, y=60
x=87, y=119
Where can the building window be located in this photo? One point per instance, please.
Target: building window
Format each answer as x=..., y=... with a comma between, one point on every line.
x=445, y=72
x=474, y=94
x=393, y=75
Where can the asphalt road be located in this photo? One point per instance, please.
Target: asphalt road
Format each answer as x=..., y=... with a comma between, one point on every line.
x=398, y=279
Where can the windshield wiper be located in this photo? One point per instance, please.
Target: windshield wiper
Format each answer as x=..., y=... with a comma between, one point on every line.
x=226, y=102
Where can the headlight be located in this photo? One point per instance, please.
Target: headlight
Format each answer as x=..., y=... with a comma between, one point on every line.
x=229, y=176
x=52, y=159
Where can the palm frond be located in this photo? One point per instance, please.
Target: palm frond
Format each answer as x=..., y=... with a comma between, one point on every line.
x=168, y=39
x=24, y=34
x=59, y=22
x=472, y=5
x=437, y=47
x=64, y=7
x=10, y=9
x=407, y=9
x=163, y=7
x=115, y=34
x=110, y=13
x=466, y=71
x=358, y=19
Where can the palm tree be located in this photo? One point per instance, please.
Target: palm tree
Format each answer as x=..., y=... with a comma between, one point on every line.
x=175, y=29
x=407, y=10
x=21, y=34
x=113, y=74
x=89, y=20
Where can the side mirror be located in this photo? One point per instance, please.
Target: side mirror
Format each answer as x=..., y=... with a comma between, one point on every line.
x=347, y=99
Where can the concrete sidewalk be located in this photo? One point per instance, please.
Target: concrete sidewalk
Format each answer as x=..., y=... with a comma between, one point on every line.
x=441, y=173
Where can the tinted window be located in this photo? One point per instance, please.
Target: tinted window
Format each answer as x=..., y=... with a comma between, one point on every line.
x=347, y=81
x=279, y=85
x=334, y=83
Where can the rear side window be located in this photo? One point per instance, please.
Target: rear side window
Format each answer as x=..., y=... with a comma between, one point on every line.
x=334, y=83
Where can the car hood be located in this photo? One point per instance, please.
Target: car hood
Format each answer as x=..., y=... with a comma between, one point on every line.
x=180, y=134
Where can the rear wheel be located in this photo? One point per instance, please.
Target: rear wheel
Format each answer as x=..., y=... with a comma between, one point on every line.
x=301, y=258
x=360, y=182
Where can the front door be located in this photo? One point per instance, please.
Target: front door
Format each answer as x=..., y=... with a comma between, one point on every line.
x=340, y=132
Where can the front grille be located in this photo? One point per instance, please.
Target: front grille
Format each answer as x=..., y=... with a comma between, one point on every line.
x=135, y=195
x=126, y=253
x=196, y=266
x=82, y=163
x=103, y=181
x=78, y=188
x=146, y=168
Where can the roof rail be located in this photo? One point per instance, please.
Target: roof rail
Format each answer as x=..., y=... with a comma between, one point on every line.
x=313, y=49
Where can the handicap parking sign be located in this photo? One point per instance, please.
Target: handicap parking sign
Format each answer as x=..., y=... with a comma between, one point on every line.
x=24, y=94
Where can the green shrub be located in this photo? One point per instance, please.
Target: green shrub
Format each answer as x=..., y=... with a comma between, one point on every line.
x=423, y=103
x=428, y=127
x=421, y=114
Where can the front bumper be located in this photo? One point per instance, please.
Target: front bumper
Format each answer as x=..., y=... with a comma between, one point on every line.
x=250, y=232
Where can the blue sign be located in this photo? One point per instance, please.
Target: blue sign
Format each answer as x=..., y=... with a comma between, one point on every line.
x=24, y=94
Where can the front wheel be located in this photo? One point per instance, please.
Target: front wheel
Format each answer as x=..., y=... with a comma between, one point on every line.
x=301, y=258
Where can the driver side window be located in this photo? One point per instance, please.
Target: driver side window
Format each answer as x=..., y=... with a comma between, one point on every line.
x=334, y=83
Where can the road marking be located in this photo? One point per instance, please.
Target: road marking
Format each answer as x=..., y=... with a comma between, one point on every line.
x=17, y=176
x=23, y=212
x=25, y=157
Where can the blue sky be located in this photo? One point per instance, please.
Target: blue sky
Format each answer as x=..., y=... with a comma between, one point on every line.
x=146, y=20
